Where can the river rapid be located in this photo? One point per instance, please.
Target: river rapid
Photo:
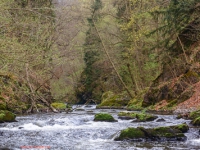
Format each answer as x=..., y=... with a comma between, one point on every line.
x=78, y=131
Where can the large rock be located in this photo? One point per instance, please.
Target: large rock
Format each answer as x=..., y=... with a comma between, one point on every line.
x=115, y=101
x=140, y=117
x=104, y=117
x=59, y=106
x=6, y=116
x=195, y=116
x=170, y=133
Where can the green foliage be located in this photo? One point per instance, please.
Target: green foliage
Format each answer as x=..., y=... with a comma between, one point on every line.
x=176, y=17
x=27, y=49
x=104, y=117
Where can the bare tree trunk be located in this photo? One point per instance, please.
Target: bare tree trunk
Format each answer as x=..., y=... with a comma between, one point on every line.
x=32, y=92
x=132, y=78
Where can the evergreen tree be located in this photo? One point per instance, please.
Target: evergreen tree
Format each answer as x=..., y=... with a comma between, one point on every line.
x=92, y=55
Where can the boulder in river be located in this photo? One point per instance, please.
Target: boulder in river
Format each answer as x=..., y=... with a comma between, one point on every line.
x=6, y=116
x=195, y=116
x=59, y=106
x=140, y=117
x=104, y=117
x=170, y=133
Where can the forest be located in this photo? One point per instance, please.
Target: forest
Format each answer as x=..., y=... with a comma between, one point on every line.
x=137, y=55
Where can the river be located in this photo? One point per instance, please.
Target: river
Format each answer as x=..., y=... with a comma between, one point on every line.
x=78, y=131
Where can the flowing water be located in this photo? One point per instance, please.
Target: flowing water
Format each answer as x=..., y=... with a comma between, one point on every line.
x=78, y=131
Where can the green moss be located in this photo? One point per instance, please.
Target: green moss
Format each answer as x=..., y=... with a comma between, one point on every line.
x=113, y=100
x=104, y=117
x=131, y=133
x=2, y=106
x=172, y=103
x=127, y=114
x=107, y=95
x=7, y=116
x=166, y=132
x=59, y=106
x=182, y=127
x=196, y=121
x=135, y=104
x=145, y=117
x=194, y=114
x=169, y=133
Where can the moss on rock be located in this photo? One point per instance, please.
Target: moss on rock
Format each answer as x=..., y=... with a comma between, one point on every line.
x=196, y=121
x=131, y=134
x=111, y=100
x=142, y=117
x=6, y=116
x=194, y=115
x=182, y=127
x=104, y=117
x=127, y=115
x=59, y=106
x=170, y=133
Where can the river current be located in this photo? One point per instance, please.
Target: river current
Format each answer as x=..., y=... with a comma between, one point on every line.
x=78, y=131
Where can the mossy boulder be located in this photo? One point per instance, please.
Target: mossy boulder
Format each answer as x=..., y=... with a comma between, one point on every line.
x=131, y=134
x=182, y=127
x=111, y=100
x=196, y=121
x=6, y=116
x=140, y=117
x=59, y=106
x=170, y=133
x=126, y=115
x=104, y=117
x=143, y=117
x=195, y=114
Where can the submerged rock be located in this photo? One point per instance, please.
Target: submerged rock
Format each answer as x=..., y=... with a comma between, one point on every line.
x=170, y=133
x=160, y=120
x=6, y=116
x=104, y=117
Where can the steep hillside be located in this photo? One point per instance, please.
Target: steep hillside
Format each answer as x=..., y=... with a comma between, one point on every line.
x=177, y=87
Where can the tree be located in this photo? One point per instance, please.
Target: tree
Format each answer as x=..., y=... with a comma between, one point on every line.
x=27, y=46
